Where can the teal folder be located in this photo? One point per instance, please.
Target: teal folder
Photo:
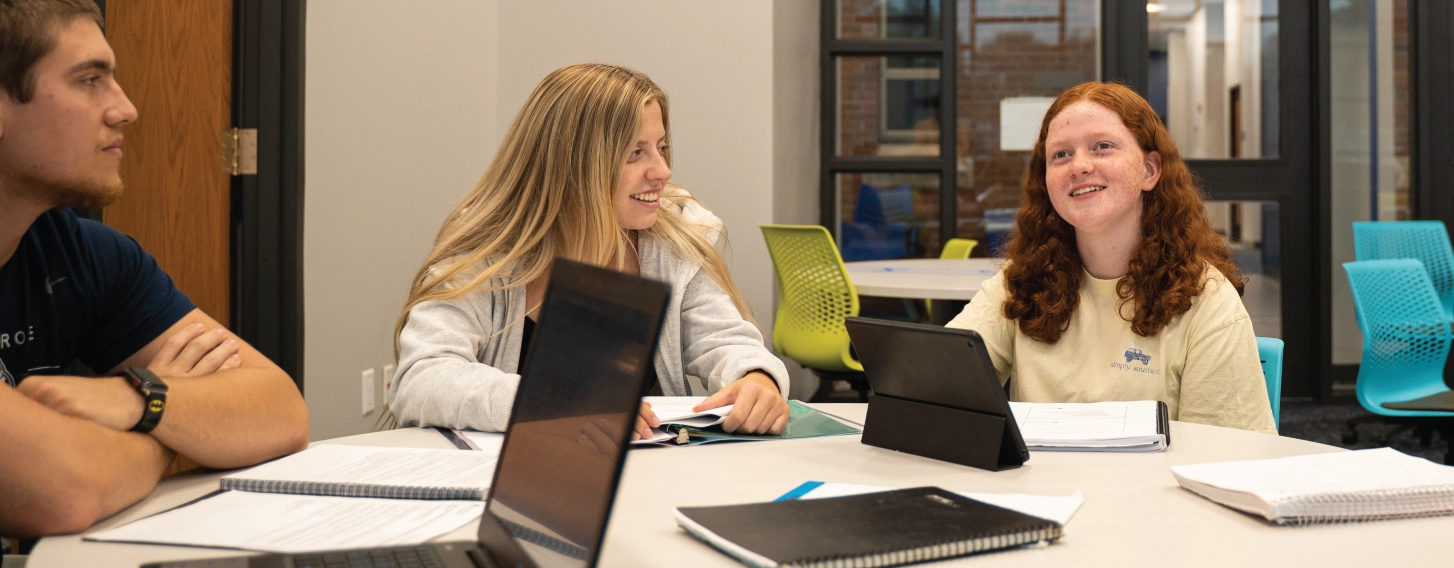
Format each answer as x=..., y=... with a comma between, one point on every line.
x=803, y=422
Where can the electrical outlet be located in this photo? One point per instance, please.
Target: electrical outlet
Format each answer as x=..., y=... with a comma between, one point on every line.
x=368, y=391
x=388, y=376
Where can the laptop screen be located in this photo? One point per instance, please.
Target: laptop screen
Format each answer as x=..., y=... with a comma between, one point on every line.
x=576, y=403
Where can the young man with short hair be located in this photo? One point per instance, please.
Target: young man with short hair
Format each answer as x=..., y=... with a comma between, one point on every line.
x=72, y=290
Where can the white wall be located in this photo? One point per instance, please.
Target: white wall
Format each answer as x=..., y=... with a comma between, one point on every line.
x=796, y=103
x=406, y=103
x=400, y=122
x=714, y=60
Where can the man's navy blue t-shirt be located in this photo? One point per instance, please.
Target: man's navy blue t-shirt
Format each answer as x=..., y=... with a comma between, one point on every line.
x=79, y=290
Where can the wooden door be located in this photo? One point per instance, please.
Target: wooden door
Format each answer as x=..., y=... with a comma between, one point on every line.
x=174, y=59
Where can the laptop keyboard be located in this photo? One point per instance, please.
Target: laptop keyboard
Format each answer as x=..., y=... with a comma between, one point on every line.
x=416, y=557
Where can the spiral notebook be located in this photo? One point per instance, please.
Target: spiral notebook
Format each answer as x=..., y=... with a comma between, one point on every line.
x=873, y=529
x=1360, y=485
x=366, y=471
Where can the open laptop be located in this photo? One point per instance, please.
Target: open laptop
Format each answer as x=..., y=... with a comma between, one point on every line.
x=567, y=439
x=938, y=366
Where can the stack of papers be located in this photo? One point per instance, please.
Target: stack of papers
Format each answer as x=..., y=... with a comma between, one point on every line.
x=1136, y=426
x=330, y=497
x=1361, y=485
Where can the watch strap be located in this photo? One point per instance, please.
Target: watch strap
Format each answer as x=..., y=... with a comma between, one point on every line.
x=153, y=391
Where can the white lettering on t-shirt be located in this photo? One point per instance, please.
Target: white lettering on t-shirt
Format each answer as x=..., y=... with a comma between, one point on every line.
x=18, y=338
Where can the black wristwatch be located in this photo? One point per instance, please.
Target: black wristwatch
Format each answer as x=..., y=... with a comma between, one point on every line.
x=154, y=391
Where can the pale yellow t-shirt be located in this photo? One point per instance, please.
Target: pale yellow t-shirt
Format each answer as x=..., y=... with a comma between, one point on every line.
x=1203, y=365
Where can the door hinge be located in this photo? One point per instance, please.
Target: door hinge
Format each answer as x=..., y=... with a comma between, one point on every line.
x=239, y=151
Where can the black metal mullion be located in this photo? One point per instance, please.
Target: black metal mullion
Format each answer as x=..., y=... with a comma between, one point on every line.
x=884, y=47
x=948, y=124
x=1124, y=44
x=267, y=207
x=1433, y=129
x=827, y=192
x=877, y=164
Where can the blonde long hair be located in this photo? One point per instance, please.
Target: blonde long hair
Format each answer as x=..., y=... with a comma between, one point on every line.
x=548, y=194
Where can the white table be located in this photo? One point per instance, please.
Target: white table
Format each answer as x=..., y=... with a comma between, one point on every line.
x=931, y=278
x=1134, y=512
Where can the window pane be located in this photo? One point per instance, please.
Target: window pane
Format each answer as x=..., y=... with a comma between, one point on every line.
x=1251, y=229
x=1213, y=75
x=884, y=215
x=1014, y=58
x=1369, y=41
x=888, y=106
x=888, y=19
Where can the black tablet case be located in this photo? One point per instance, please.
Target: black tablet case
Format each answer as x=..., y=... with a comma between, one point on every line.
x=936, y=395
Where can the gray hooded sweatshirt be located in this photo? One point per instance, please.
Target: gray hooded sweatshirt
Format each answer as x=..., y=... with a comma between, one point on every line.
x=458, y=359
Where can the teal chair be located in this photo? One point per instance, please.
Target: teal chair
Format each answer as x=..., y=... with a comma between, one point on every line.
x=1269, y=351
x=1406, y=340
x=1425, y=241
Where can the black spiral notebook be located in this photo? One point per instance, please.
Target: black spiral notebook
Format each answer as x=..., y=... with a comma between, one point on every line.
x=872, y=529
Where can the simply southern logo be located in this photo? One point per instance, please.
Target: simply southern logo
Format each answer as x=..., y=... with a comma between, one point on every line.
x=1136, y=361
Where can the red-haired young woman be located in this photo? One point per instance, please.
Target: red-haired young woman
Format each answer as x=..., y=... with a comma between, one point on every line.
x=1116, y=286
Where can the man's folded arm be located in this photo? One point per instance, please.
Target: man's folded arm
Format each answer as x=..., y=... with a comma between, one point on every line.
x=62, y=474
x=232, y=418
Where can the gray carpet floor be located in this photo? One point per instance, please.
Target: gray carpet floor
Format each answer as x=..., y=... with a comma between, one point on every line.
x=1325, y=424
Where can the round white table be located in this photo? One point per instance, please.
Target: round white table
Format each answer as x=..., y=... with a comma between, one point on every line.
x=923, y=278
x=1134, y=512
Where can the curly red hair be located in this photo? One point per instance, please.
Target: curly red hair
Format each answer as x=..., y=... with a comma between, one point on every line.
x=1168, y=266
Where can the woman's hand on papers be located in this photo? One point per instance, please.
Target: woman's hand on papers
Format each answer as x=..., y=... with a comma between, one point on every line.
x=645, y=421
x=758, y=406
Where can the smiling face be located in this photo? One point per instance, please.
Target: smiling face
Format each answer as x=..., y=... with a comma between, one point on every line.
x=638, y=191
x=1095, y=170
x=64, y=146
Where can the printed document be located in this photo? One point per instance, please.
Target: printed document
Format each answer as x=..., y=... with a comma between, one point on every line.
x=1116, y=426
x=271, y=522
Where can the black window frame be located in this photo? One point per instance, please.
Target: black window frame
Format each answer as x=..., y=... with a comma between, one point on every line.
x=832, y=164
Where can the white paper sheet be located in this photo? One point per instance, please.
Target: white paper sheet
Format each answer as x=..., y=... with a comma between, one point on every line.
x=1048, y=507
x=678, y=410
x=271, y=522
x=1089, y=425
x=380, y=466
x=488, y=442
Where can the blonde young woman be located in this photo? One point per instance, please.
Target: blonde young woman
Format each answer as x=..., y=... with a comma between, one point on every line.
x=582, y=174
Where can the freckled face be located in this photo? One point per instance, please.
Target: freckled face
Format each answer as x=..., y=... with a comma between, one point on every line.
x=65, y=143
x=1095, y=171
x=644, y=175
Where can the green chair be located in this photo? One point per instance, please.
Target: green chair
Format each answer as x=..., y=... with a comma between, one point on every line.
x=1269, y=351
x=954, y=249
x=815, y=296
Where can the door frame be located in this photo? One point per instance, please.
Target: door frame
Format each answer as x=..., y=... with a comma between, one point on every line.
x=1299, y=179
x=267, y=208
